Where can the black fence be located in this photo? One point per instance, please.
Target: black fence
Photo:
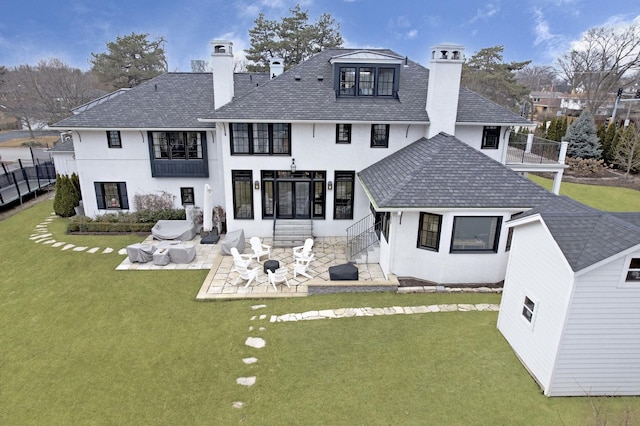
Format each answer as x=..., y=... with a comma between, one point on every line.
x=25, y=178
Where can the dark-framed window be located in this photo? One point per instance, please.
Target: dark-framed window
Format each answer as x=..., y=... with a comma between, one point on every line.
x=367, y=80
x=242, y=194
x=177, y=145
x=111, y=195
x=343, y=187
x=187, y=196
x=634, y=270
x=318, y=190
x=343, y=133
x=490, y=137
x=475, y=234
x=260, y=138
x=386, y=223
x=113, y=139
x=528, y=309
x=379, y=136
x=509, y=239
x=429, y=231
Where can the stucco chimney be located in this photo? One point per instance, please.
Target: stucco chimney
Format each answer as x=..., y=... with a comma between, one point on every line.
x=222, y=66
x=445, y=70
x=276, y=67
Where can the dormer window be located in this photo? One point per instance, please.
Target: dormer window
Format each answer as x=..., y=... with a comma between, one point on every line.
x=367, y=80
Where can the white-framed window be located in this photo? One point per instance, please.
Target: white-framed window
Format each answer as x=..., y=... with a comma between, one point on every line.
x=529, y=309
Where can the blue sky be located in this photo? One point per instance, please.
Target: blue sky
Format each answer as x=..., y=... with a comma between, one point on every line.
x=70, y=30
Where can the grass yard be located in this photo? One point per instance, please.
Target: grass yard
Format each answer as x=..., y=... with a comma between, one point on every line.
x=82, y=343
x=607, y=198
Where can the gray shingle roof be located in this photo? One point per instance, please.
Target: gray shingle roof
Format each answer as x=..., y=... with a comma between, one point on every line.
x=286, y=98
x=298, y=94
x=473, y=108
x=586, y=235
x=66, y=146
x=172, y=100
x=444, y=172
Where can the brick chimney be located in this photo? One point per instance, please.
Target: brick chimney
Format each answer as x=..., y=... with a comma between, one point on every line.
x=445, y=70
x=222, y=64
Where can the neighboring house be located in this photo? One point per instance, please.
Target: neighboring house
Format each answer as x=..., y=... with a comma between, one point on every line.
x=290, y=148
x=571, y=302
x=63, y=157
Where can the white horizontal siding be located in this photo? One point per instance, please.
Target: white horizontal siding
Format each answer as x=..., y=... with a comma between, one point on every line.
x=538, y=270
x=600, y=350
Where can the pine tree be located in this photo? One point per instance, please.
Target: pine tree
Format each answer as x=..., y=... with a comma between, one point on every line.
x=609, y=142
x=582, y=138
x=66, y=198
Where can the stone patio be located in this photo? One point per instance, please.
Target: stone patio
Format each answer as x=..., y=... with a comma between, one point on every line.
x=218, y=284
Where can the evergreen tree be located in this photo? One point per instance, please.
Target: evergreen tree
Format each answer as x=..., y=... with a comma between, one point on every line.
x=67, y=196
x=131, y=60
x=582, y=138
x=293, y=39
x=609, y=142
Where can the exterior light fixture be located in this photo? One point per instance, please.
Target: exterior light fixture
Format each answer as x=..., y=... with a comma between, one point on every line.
x=293, y=165
x=256, y=184
x=330, y=186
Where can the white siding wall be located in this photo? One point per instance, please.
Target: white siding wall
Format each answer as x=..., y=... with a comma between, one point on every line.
x=314, y=149
x=472, y=136
x=64, y=163
x=536, y=269
x=600, y=349
x=444, y=267
x=96, y=162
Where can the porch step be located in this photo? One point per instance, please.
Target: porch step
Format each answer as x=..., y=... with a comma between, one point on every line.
x=291, y=233
x=370, y=255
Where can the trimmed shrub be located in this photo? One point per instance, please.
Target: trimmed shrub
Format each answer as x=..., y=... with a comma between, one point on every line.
x=585, y=166
x=67, y=197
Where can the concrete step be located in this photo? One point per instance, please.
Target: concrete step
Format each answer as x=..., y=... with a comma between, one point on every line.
x=291, y=233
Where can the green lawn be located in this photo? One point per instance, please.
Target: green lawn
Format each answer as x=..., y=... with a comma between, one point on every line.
x=607, y=198
x=82, y=343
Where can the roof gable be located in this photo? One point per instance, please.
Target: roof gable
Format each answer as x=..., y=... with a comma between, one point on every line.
x=586, y=235
x=444, y=172
x=367, y=56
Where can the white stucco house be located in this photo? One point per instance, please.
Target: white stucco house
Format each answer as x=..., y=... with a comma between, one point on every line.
x=64, y=159
x=318, y=148
x=571, y=302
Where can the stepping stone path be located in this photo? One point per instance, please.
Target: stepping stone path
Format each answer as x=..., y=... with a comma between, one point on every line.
x=42, y=235
x=370, y=312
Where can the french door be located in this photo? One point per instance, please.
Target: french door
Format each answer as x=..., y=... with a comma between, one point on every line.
x=294, y=199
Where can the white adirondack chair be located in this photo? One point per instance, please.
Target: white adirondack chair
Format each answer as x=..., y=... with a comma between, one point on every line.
x=242, y=259
x=302, y=267
x=279, y=276
x=259, y=249
x=246, y=274
x=302, y=252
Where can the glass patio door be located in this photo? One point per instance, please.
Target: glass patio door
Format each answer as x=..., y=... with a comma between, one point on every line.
x=293, y=199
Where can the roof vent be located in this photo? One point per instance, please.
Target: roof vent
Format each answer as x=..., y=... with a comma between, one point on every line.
x=320, y=78
x=296, y=77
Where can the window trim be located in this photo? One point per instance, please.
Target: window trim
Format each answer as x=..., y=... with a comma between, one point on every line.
x=250, y=136
x=123, y=199
x=485, y=132
x=187, y=192
x=114, y=142
x=245, y=176
x=386, y=141
x=348, y=130
x=355, y=89
x=341, y=176
x=532, y=311
x=435, y=248
x=496, y=240
x=632, y=267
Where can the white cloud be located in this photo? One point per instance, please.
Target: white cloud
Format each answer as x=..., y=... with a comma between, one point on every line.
x=412, y=34
x=488, y=11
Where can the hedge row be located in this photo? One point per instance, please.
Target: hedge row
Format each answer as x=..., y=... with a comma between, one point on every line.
x=108, y=227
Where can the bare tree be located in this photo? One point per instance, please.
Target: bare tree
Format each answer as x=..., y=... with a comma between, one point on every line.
x=45, y=93
x=627, y=150
x=596, y=67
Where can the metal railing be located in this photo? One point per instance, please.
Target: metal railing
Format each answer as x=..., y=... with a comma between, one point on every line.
x=525, y=149
x=18, y=180
x=361, y=235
